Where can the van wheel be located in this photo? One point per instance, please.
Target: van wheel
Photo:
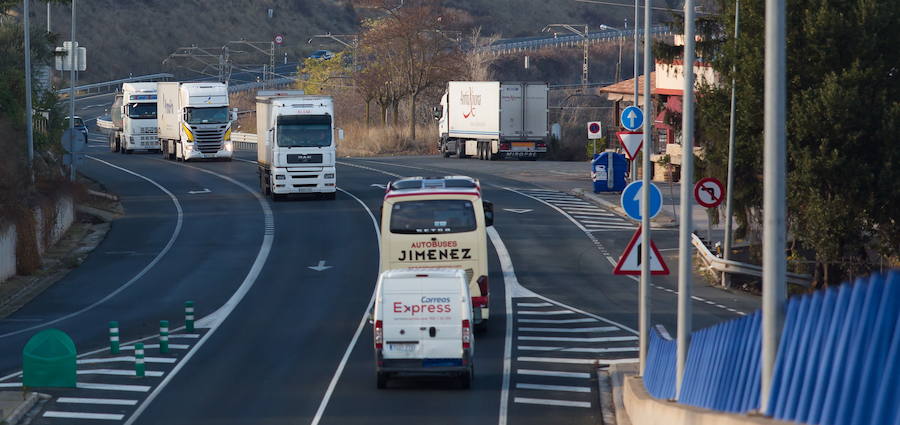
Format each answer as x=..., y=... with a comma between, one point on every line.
x=381, y=379
x=466, y=378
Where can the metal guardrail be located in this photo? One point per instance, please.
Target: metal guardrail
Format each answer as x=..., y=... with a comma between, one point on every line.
x=262, y=84
x=570, y=40
x=717, y=264
x=244, y=141
x=109, y=84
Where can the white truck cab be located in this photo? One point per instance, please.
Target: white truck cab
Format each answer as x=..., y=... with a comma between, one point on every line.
x=423, y=324
x=134, y=117
x=296, y=143
x=194, y=121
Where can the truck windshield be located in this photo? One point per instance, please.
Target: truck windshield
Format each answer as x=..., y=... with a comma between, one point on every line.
x=304, y=131
x=435, y=216
x=141, y=111
x=214, y=115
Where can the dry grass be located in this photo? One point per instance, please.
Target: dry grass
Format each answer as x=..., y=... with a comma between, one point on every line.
x=381, y=141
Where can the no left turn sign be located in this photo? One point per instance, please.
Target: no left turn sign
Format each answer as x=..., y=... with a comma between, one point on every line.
x=709, y=192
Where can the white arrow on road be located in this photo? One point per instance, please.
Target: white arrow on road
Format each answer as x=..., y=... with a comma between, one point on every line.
x=518, y=210
x=320, y=267
x=194, y=192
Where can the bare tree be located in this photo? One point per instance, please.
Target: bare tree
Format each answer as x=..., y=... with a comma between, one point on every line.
x=478, y=61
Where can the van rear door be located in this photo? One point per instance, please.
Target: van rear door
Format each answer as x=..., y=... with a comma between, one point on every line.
x=422, y=318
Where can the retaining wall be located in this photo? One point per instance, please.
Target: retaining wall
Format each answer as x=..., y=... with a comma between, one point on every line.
x=61, y=221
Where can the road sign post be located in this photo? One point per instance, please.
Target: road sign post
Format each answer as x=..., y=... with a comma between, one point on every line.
x=709, y=193
x=595, y=131
x=632, y=199
x=632, y=118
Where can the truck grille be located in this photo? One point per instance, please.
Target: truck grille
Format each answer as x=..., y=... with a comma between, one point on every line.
x=209, y=140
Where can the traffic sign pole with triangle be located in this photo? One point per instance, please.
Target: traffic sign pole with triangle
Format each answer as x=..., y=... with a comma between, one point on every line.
x=631, y=142
x=630, y=261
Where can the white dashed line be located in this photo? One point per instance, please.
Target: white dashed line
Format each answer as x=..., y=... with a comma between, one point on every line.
x=568, y=388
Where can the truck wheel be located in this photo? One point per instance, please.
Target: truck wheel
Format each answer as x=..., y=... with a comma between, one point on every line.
x=381, y=379
x=445, y=152
x=460, y=150
x=481, y=151
x=112, y=143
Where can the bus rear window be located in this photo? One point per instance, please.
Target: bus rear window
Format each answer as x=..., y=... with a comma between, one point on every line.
x=433, y=217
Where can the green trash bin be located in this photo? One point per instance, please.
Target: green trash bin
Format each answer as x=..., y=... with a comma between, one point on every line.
x=48, y=360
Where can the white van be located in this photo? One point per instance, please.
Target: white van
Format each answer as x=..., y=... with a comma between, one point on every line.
x=423, y=324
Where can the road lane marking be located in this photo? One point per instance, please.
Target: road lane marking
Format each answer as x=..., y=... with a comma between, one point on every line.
x=215, y=319
x=546, y=402
x=79, y=415
x=109, y=401
x=127, y=359
x=577, y=349
x=563, y=360
x=534, y=305
x=568, y=388
x=553, y=373
x=362, y=323
x=11, y=385
x=113, y=387
x=571, y=330
x=117, y=372
x=177, y=231
x=566, y=339
x=148, y=346
x=543, y=313
x=558, y=321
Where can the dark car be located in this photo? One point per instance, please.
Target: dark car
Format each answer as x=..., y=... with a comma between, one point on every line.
x=321, y=54
x=79, y=125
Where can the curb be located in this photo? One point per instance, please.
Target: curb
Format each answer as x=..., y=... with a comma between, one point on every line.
x=23, y=408
x=664, y=222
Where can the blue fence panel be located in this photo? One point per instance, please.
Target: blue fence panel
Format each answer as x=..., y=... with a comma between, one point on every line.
x=659, y=373
x=838, y=361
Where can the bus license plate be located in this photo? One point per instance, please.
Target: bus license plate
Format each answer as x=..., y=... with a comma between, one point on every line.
x=402, y=348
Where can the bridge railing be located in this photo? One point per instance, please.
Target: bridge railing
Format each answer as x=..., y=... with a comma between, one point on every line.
x=837, y=360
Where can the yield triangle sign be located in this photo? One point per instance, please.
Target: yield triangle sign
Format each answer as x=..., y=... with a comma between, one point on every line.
x=631, y=142
x=630, y=262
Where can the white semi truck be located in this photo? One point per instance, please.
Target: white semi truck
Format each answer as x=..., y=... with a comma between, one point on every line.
x=134, y=118
x=194, y=121
x=295, y=143
x=493, y=120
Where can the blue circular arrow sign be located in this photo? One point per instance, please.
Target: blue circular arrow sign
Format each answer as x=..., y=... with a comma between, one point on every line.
x=632, y=118
x=631, y=200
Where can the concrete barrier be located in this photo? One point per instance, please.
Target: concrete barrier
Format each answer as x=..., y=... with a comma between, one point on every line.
x=61, y=221
x=642, y=409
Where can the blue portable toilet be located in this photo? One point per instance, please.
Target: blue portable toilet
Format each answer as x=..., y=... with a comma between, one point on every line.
x=608, y=171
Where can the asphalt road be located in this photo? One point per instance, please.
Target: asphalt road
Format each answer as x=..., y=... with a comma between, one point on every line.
x=290, y=344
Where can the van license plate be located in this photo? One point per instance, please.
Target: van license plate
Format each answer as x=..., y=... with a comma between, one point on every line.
x=402, y=348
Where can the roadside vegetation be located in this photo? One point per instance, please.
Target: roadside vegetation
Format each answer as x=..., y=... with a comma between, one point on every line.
x=22, y=189
x=843, y=118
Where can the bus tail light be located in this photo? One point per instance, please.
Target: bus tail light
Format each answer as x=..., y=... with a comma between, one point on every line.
x=466, y=335
x=379, y=335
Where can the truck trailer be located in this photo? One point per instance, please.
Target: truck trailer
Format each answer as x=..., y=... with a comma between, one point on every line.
x=295, y=148
x=493, y=120
x=134, y=119
x=194, y=121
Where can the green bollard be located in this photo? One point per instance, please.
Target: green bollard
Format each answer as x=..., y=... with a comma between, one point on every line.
x=189, y=316
x=114, y=337
x=139, y=360
x=163, y=336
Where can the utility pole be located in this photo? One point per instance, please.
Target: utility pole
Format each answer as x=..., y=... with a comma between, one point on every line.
x=73, y=52
x=644, y=295
x=48, y=16
x=729, y=193
x=29, y=110
x=685, y=266
x=585, y=36
x=774, y=152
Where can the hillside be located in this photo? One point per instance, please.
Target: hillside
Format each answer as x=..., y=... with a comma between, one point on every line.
x=134, y=36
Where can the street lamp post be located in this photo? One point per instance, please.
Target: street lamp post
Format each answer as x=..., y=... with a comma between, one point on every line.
x=584, y=36
x=621, y=39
